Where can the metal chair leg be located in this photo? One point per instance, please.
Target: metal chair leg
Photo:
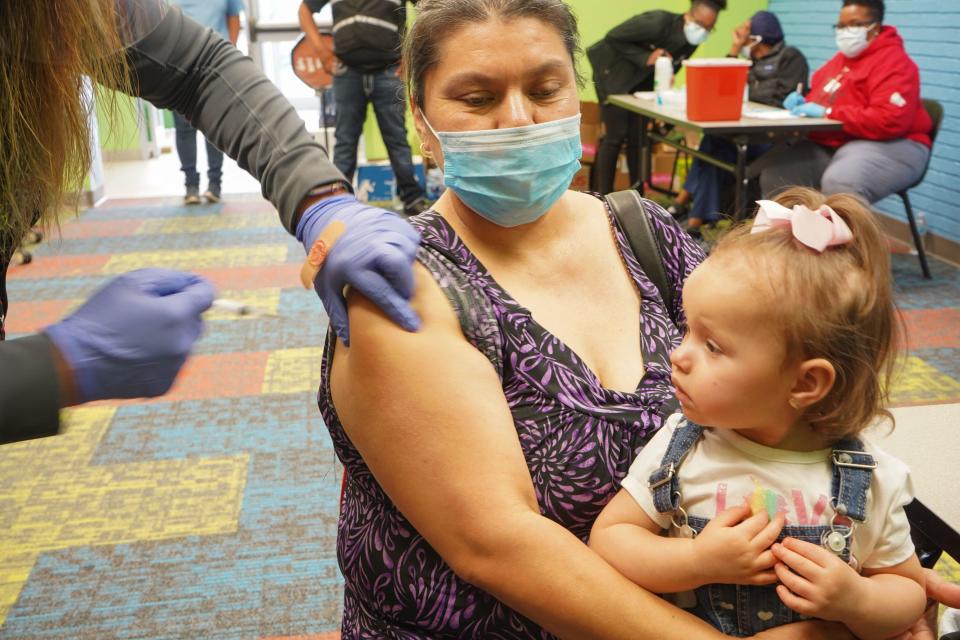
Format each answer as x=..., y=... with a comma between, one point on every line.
x=917, y=240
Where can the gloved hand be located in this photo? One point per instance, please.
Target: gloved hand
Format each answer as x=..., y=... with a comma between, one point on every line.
x=809, y=110
x=131, y=337
x=794, y=100
x=374, y=255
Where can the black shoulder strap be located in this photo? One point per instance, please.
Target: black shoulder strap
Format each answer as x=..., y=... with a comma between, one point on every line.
x=634, y=220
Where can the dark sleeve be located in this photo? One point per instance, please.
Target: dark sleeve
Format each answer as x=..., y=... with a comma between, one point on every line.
x=315, y=5
x=793, y=71
x=636, y=38
x=29, y=390
x=184, y=67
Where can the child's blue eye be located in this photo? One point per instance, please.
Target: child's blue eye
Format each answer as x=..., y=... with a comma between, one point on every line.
x=712, y=346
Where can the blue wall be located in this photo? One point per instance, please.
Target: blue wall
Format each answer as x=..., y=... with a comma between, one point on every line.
x=930, y=29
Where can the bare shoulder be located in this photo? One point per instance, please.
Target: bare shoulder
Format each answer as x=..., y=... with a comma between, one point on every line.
x=585, y=203
x=377, y=343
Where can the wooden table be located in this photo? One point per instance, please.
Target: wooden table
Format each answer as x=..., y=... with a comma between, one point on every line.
x=740, y=133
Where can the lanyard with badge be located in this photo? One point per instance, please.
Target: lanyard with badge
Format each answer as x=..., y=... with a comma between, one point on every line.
x=832, y=87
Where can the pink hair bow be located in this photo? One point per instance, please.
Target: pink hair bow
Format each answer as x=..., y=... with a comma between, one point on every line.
x=816, y=229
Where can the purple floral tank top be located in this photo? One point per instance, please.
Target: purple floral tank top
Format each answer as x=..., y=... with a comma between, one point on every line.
x=578, y=439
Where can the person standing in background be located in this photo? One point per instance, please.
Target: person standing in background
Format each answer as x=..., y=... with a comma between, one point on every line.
x=365, y=63
x=623, y=62
x=777, y=70
x=223, y=16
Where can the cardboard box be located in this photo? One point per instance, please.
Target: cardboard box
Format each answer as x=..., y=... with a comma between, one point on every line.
x=375, y=181
x=662, y=161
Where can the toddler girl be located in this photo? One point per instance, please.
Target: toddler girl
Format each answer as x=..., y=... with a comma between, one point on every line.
x=776, y=508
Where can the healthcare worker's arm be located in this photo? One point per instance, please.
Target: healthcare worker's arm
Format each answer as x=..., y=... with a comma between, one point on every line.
x=129, y=340
x=29, y=389
x=180, y=65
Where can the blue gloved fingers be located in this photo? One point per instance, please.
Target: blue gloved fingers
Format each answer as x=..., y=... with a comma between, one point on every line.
x=381, y=293
x=410, y=234
x=159, y=282
x=396, y=267
x=336, y=306
x=809, y=110
x=793, y=100
x=193, y=298
x=133, y=335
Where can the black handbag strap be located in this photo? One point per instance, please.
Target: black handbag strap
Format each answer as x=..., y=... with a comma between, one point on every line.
x=628, y=208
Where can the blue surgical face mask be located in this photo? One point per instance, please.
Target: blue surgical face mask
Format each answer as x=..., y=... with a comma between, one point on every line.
x=694, y=33
x=511, y=176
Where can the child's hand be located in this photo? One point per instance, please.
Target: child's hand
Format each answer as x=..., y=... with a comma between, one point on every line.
x=815, y=582
x=734, y=548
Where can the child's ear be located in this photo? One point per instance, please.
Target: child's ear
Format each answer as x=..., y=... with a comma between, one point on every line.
x=815, y=378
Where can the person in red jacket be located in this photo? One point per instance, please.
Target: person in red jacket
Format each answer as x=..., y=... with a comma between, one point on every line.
x=873, y=87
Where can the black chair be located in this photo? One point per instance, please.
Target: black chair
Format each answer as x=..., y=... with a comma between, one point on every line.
x=935, y=109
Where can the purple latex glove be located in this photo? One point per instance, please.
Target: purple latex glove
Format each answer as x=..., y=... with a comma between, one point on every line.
x=374, y=255
x=809, y=110
x=131, y=337
x=794, y=100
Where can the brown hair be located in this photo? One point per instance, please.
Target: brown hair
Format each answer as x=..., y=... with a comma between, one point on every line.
x=438, y=19
x=837, y=305
x=46, y=51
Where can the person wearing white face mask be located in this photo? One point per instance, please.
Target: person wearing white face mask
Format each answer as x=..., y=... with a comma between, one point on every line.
x=623, y=62
x=873, y=87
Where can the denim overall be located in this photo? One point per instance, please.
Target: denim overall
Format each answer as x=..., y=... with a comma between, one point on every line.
x=744, y=610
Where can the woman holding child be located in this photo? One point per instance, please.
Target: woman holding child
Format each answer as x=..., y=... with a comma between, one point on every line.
x=495, y=435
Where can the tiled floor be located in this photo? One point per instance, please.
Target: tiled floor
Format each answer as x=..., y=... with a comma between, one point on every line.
x=211, y=512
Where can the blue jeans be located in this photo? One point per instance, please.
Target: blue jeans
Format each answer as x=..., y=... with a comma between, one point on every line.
x=354, y=90
x=187, y=150
x=706, y=181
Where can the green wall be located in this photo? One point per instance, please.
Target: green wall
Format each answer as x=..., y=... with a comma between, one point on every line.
x=596, y=17
x=117, y=121
x=599, y=16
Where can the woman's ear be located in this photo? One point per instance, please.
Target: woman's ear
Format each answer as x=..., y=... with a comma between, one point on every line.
x=429, y=145
x=814, y=381
x=418, y=121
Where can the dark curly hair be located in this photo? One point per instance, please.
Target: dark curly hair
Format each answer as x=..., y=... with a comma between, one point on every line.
x=716, y=5
x=875, y=7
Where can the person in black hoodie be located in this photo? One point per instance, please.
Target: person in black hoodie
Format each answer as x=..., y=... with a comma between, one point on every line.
x=778, y=69
x=623, y=63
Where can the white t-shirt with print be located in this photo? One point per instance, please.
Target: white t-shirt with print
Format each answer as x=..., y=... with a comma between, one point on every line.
x=724, y=469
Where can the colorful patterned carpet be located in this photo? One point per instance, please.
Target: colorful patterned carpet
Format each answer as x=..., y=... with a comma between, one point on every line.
x=211, y=513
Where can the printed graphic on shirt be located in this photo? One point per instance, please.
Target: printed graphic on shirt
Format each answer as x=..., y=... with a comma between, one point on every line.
x=798, y=509
x=897, y=100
